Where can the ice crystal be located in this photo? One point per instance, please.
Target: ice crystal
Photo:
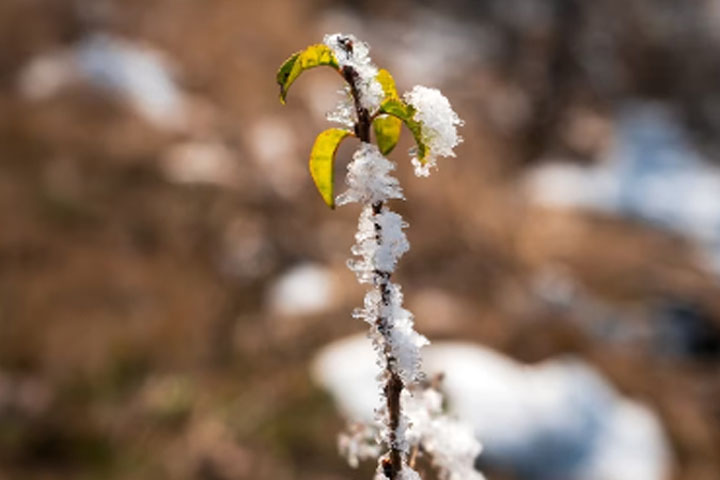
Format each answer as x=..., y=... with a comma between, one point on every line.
x=351, y=52
x=450, y=444
x=439, y=124
x=408, y=473
x=379, y=242
x=369, y=178
x=405, y=342
x=401, y=341
x=358, y=443
x=344, y=112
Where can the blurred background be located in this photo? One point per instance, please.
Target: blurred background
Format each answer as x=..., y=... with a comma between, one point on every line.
x=168, y=272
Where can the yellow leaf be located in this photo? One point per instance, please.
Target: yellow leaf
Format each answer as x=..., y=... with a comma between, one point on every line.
x=312, y=56
x=387, y=82
x=387, y=132
x=399, y=109
x=387, y=127
x=322, y=158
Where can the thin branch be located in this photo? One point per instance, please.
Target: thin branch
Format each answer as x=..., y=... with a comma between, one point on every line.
x=394, y=386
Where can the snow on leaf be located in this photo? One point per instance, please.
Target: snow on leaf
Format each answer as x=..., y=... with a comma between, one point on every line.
x=438, y=126
x=312, y=56
x=322, y=158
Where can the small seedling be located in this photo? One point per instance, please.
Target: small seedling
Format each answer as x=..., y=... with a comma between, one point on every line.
x=410, y=419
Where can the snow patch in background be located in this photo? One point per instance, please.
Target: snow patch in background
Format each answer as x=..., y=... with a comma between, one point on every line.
x=200, y=162
x=304, y=289
x=274, y=145
x=652, y=173
x=134, y=72
x=556, y=419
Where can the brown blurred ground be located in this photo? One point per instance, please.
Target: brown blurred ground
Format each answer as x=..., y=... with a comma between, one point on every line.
x=135, y=340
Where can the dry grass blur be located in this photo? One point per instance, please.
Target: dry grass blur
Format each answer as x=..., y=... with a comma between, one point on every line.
x=135, y=336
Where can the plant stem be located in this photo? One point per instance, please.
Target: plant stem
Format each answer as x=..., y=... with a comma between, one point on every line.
x=394, y=386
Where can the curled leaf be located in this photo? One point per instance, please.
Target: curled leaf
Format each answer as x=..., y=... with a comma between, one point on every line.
x=312, y=56
x=406, y=113
x=322, y=159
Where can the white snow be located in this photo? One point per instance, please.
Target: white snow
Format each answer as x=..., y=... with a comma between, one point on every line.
x=351, y=52
x=405, y=342
x=451, y=443
x=357, y=444
x=304, y=289
x=133, y=71
x=408, y=473
x=556, y=419
x=651, y=173
x=439, y=124
x=274, y=146
x=376, y=256
x=369, y=178
x=201, y=162
x=344, y=112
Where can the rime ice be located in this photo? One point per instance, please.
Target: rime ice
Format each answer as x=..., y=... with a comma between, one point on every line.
x=344, y=112
x=374, y=256
x=351, y=52
x=402, y=341
x=358, y=444
x=439, y=124
x=379, y=243
x=369, y=179
x=452, y=445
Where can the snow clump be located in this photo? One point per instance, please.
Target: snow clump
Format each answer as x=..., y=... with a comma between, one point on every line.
x=404, y=342
x=451, y=444
x=438, y=123
x=376, y=256
x=351, y=52
x=369, y=178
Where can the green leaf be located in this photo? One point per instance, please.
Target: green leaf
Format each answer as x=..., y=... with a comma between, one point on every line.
x=312, y=56
x=322, y=158
x=399, y=109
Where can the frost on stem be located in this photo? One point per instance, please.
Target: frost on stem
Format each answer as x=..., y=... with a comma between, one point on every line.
x=439, y=124
x=344, y=112
x=374, y=256
x=351, y=52
x=451, y=445
x=399, y=339
x=358, y=443
x=369, y=179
